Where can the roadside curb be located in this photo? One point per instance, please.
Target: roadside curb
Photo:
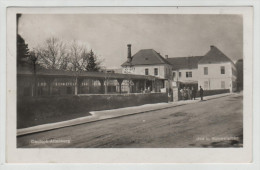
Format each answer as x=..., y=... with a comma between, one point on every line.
x=95, y=118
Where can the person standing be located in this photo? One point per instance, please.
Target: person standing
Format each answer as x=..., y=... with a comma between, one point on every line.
x=201, y=93
x=181, y=91
x=185, y=94
x=193, y=93
x=189, y=93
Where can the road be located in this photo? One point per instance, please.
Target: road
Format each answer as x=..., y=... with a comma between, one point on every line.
x=213, y=123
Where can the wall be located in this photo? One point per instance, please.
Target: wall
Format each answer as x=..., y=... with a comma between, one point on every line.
x=183, y=77
x=213, y=92
x=31, y=111
x=177, y=94
x=214, y=77
x=140, y=70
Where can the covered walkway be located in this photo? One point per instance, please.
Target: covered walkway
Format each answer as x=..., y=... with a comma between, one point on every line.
x=56, y=82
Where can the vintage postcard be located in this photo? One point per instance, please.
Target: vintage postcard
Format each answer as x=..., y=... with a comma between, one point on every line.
x=129, y=85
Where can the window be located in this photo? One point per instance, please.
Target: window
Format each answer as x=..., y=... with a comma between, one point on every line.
x=205, y=70
x=206, y=85
x=223, y=84
x=174, y=74
x=222, y=69
x=155, y=71
x=189, y=74
x=179, y=74
x=146, y=71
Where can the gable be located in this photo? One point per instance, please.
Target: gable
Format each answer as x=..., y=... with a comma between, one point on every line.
x=146, y=57
x=214, y=56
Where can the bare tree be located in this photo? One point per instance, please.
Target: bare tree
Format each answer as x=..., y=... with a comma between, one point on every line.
x=78, y=59
x=72, y=56
x=53, y=54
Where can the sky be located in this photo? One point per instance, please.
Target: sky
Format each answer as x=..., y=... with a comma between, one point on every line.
x=108, y=34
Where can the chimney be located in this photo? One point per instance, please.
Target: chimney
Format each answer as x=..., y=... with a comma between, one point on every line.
x=166, y=56
x=212, y=46
x=129, y=55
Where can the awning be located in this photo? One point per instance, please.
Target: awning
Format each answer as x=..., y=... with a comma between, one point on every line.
x=188, y=82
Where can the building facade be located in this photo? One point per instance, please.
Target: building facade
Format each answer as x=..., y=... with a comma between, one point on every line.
x=213, y=71
x=149, y=62
x=185, y=70
x=217, y=71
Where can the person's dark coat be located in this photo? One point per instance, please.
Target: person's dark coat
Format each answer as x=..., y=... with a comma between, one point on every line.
x=201, y=92
x=194, y=91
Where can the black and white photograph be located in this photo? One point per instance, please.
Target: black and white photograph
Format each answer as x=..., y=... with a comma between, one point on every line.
x=129, y=81
x=129, y=85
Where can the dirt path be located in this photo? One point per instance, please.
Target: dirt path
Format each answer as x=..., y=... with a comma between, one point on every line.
x=213, y=123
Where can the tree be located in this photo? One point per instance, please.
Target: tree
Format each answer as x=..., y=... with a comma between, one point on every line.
x=78, y=58
x=22, y=51
x=53, y=54
x=92, y=65
x=33, y=60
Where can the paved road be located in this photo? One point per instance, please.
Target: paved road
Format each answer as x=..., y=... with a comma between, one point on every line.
x=213, y=123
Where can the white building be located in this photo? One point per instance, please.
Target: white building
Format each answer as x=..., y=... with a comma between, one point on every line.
x=185, y=70
x=148, y=62
x=216, y=71
x=213, y=71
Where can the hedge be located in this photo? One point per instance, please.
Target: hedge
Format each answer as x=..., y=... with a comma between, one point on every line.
x=39, y=110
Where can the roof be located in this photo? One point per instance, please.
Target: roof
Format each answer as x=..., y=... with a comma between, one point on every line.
x=184, y=62
x=41, y=72
x=146, y=57
x=214, y=56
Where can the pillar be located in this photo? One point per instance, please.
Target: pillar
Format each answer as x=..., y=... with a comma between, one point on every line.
x=76, y=86
x=35, y=86
x=120, y=85
x=102, y=86
x=80, y=80
x=49, y=85
x=153, y=86
x=129, y=85
x=135, y=86
x=106, y=84
x=144, y=84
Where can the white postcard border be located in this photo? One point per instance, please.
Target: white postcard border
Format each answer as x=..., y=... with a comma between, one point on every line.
x=256, y=107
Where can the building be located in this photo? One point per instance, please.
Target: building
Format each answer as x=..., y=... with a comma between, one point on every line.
x=185, y=70
x=149, y=62
x=216, y=71
x=213, y=71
